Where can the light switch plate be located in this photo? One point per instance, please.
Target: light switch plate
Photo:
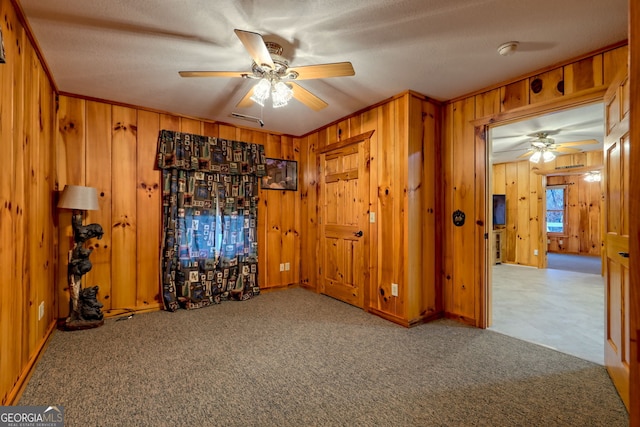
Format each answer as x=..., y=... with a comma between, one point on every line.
x=394, y=289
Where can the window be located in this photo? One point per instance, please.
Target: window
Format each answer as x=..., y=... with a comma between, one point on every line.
x=556, y=209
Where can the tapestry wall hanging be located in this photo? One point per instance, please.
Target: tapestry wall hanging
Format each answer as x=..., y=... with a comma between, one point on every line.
x=210, y=204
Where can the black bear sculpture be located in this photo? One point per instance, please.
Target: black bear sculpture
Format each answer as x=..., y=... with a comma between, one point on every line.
x=82, y=233
x=89, y=306
x=80, y=264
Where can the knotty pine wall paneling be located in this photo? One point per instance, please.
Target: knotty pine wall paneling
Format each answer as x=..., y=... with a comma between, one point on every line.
x=70, y=169
x=460, y=292
x=27, y=206
x=522, y=183
x=148, y=204
x=113, y=148
x=308, y=190
x=403, y=198
x=98, y=164
x=124, y=215
x=574, y=83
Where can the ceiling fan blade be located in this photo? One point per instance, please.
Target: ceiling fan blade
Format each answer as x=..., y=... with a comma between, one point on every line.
x=566, y=150
x=246, y=101
x=322, y=71
x=256, y=47
x=213, y=73
x=527, y=154
x=307, y=98
x=577, y=143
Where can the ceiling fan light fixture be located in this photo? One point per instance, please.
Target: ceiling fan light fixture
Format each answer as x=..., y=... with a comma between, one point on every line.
x=535, y=158
x=261, y=92
x=281, y=94
x=548, y=156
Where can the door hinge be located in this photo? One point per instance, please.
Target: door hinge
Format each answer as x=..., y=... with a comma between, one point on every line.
x=486, y=236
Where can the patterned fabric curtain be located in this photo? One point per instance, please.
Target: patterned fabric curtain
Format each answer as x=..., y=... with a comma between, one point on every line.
x=210, y=203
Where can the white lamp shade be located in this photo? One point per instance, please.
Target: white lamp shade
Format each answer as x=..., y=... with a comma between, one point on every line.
x=78, y=197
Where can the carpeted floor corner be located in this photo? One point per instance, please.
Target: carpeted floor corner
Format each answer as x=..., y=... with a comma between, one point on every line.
x=296, y=358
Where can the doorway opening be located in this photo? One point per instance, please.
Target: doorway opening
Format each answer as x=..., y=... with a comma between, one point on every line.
x=537, y=291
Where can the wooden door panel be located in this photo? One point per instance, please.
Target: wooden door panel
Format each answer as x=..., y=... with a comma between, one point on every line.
x=343, y=221
x=616, y=235
x=614, y=299
x=625, y=154
x=331, y=197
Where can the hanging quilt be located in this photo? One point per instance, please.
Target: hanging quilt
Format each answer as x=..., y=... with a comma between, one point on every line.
x=210, y=203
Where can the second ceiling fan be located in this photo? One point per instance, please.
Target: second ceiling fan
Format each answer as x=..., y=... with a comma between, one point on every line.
x=544, y=148
x=275, y=78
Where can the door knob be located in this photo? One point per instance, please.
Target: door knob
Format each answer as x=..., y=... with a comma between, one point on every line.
x=358, y=234
x=624, y=254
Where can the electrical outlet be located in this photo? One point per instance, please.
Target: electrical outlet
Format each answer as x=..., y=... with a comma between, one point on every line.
x=394, y=289
x=372, y=217
x=560, y=241
x=535, y=252
x=281, y=267
x=41, y=311
x=287, y=266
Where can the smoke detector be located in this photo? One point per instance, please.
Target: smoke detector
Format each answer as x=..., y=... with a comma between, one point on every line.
x=508, y=48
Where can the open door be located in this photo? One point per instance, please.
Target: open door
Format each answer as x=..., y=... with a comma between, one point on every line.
x=344, y=220
x=616, y=235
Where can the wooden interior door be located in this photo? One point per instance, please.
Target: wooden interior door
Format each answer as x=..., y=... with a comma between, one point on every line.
x=344, y=220
x=616, y=235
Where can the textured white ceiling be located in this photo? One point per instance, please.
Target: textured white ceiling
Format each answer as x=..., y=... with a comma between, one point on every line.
x=131, y=51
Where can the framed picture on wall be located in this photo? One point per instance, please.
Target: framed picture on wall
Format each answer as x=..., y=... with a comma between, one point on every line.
x=281, y=175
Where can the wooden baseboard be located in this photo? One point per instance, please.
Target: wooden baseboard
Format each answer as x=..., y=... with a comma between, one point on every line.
x=16, y=392
x=461, y=319
x=280, y=287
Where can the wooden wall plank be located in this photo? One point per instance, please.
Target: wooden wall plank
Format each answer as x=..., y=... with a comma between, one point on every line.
x=488, y=103
x=11, y=300
x=123, y=209
x=583, y=75
x=369, y=122
x=385, y=208
x=613, y=61
x=98, y=175
x=463, y=186
x=514, y=95
x=523, y=239
x=70, y=169
x=46, y=207
x=400, y=178
x=511, y=191
x=191, y=126
x=149, y=202
x=31, y=151
x=27, y=217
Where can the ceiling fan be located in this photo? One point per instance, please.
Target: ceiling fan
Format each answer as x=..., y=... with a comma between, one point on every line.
x=544, y=148
x=275, y=78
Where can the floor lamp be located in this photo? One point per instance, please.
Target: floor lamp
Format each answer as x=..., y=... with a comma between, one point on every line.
x=84, y=308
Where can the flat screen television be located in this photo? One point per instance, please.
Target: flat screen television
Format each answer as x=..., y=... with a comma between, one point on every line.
x=499, y=209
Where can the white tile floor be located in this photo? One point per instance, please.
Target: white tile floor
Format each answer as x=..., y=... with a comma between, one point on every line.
x=560, y=309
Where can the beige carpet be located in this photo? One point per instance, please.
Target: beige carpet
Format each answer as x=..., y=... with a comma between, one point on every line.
x=296, y=358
